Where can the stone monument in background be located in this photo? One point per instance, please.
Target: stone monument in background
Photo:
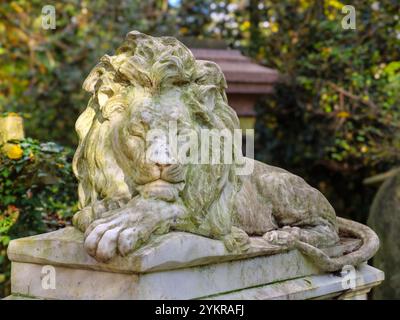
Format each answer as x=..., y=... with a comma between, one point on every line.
x=384, y=217
x=11, y=128
x=168, y=214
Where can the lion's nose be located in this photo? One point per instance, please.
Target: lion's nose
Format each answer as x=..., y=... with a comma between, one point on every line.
x=162, y=166
x=171, y=172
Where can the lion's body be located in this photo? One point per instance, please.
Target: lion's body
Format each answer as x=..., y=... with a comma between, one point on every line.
x=272, y=198
x=131, y=185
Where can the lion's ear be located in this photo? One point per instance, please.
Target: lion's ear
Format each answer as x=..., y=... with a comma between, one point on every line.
x=207, y=94
x=90, y=82
x=209, y=73
x=102, y=67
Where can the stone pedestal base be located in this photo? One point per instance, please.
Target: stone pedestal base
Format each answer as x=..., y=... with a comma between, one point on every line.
x=178, y=266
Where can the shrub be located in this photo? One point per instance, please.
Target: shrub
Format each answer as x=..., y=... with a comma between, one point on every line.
x=335, y=120
x=37, y=193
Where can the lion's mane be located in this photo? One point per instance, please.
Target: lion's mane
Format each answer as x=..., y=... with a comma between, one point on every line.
x=151, y=62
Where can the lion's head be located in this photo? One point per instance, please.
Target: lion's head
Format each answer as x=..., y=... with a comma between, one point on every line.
x=149, y=84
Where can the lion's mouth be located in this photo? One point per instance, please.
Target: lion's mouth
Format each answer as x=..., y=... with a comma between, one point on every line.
x=161, y=189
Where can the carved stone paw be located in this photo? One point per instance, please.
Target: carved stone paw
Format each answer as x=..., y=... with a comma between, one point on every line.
x=237, y=241
x=126, y=229
x=287, y=236
x=83, y=218
x=122, y=232
x=101, y=209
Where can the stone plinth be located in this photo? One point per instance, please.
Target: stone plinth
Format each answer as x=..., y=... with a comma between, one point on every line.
x=177, y=266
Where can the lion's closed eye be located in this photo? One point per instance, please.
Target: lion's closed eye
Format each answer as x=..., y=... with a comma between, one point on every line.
x=111, y=109
x=137, y=130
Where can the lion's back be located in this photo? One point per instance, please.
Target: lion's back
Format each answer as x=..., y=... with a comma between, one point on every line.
x=287, y=198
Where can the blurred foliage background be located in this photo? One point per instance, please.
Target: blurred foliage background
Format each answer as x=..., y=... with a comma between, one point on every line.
x=37, y=194
x=334, y=119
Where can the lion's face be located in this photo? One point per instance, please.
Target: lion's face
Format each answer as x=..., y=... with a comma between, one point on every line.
x=146, y=100
x=143, y=131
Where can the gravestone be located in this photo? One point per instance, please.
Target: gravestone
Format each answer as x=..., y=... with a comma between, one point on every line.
x=11, y=128
x=384, y=217
x=167, y=214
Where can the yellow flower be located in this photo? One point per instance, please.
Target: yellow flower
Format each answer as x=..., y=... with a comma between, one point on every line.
x=246, y=25
x=343, y=114
x=274, y=27
x=326, y=51
x=184, y=30
x=17, y=8
x=364, y=149
x=335, y=4
x=14, y=151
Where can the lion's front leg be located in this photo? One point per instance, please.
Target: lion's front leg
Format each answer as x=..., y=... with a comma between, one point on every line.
x=128, y=228
x=100, y=209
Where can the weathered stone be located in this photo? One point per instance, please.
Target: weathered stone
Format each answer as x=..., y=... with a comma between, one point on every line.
x=384, y=217
x=205, y=265
x=174, y=250
x=159, y=219
x=320, y=287
x=325, y=286
x=133, y=181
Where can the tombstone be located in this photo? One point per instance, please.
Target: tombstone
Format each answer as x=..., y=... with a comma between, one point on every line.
x=11, y=128
x=384, y=218
x=156, y=223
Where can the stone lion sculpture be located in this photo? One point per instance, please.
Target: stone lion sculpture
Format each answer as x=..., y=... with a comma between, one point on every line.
x=126, y=195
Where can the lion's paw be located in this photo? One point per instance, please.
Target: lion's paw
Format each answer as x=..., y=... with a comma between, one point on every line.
x=100, y=209
x=287, y=236
x=122, y=233
x=237, y=241
x=83, y=218
x=118, y=233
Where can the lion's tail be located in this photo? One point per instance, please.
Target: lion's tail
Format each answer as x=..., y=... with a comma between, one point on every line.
x=370, y=245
